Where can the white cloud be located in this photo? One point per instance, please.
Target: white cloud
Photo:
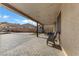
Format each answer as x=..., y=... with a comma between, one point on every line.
x=25, y=21
x=0, y=16
x=29, y=21
x=5, y=16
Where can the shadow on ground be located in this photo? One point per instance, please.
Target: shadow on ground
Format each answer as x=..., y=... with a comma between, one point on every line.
x=56, y=46
x=43, y=37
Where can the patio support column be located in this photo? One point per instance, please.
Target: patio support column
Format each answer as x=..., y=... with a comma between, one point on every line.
x=42, y=28
x=37, y=29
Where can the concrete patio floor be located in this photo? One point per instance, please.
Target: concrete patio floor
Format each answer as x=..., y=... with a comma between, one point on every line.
x=26, y=44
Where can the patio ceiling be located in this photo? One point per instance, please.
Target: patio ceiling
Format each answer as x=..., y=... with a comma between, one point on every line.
x=44, y=13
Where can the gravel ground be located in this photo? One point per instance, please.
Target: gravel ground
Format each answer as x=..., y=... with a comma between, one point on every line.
x=26, y=44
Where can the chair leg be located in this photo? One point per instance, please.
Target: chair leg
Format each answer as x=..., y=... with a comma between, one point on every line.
x=47, y=42
x=53, y=42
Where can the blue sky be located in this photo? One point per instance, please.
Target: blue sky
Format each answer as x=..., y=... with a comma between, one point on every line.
x=12, y=17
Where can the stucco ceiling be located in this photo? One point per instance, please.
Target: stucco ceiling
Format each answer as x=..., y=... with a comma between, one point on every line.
x=45, y=13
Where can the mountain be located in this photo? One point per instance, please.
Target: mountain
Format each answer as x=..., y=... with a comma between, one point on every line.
x=28, y=26
x=5, y=26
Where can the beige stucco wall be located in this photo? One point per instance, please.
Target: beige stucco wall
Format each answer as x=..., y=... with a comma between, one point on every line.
x=49, y=28
x=70, y=28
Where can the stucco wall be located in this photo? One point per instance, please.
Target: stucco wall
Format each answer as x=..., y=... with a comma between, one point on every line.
x=70, y=28
x=48, y=28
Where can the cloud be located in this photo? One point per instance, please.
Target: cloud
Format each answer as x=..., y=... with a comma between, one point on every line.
x=29, y=21
x=0, y=16
x=4, y=16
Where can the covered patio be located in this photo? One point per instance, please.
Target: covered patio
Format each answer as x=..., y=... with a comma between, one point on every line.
x=33, y=44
